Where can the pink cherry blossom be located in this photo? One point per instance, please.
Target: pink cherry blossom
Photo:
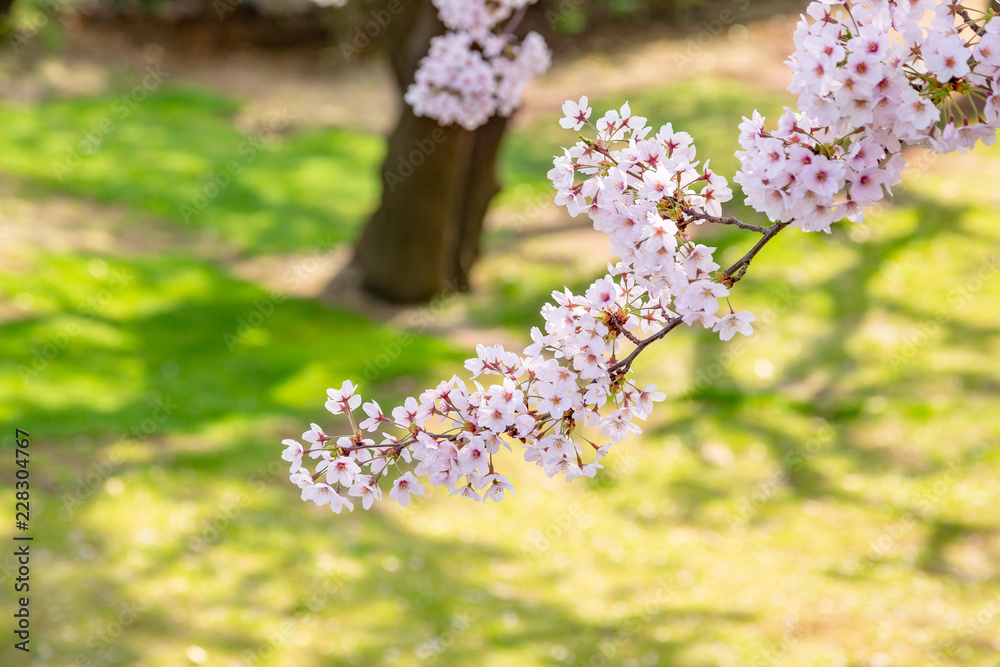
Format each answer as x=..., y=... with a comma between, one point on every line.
x=343, y=400
x=868, y=83
x=576, y=114
x=293, y=453
x=729, y=325
x=478, y=68
x=405, y=485
x=498, y=485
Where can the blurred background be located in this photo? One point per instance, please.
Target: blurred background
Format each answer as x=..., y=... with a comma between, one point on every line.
x=181, y=187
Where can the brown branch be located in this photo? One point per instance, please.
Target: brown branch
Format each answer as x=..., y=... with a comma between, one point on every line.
x=694, y=215
x=737, y=270
x=625, y=364
x=971, y=23
x=618, y=327
x=606, y=153
x=732, y=275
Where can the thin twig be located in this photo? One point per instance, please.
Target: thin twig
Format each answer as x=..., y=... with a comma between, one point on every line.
x=971, y=23
x=625, y=364
x=516, y=19
x=730, y=276
x=617, y=327
x=695, y=215
x=737, y=270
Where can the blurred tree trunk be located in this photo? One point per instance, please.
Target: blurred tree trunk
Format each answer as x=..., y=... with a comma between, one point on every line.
x=436, y=185
x=5, y=7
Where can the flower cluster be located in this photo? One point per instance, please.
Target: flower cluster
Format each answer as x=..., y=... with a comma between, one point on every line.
x=644, y=190
x=569, y=391
x=478, y=68
x=869, y=78
x=869, y=82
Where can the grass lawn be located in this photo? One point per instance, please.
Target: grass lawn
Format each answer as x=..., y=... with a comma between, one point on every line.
x=823, y=493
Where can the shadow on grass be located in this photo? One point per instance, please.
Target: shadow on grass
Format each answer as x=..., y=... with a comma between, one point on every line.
x=101, y=353
x=198, y=527
x=364, y=589
x=177, y=155
x=846, y=299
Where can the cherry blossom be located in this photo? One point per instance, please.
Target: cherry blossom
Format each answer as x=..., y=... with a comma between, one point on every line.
x=344, y=400
x=315, y=435
x=293, y=453
x=870, y=78
x=576, y=114
x=735, y=322
x=478, y=68
x=405, y=485
x=367, y=491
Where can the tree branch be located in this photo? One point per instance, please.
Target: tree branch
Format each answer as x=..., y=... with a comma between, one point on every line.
x=732, y=275
x=625, y=364
x=971, y=23
x=739, y=269
x=694, y=215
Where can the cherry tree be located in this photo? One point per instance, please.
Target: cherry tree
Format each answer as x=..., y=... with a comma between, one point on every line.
x=462, y=66
x=871, y=78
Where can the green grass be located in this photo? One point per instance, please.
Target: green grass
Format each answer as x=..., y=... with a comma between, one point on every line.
x=222, y=349
x=823, y=493
x=173, y=155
